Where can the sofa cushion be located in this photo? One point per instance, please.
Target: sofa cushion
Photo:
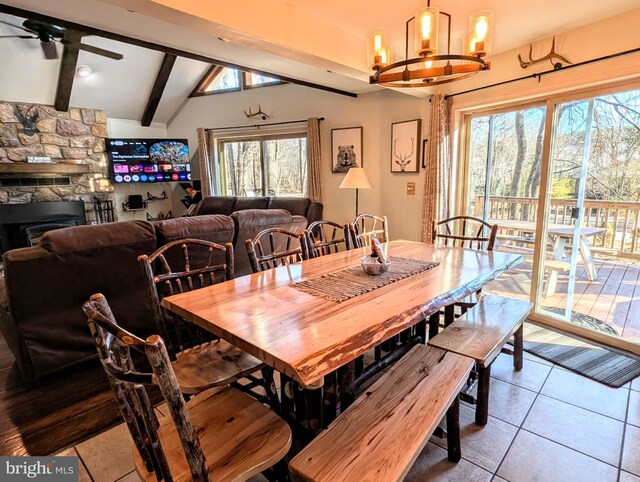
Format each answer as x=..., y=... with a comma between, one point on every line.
x=251, y=203
x=251, y=221
x=216, y=205
x=48, y=284
x=215, y=228
x=78, y=238
x=295, y=205
x=264, y=218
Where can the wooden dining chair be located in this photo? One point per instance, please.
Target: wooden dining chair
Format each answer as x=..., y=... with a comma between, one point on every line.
x=200, y=360
x=219, y=434
x=465, y=232
x=326, y=237
x=367, y=225
x=275, y=247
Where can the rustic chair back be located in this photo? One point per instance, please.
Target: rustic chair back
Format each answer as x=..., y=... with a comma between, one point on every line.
x=194, y=264
x=466, y=232
x=326, y=237
x=275, y=247
x=113, y=344
x=365, y=226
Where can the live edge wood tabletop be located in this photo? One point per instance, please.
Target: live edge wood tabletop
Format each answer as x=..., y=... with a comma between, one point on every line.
x=307, y=337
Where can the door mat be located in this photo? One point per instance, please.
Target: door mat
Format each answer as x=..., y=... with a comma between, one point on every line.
x=593, y=361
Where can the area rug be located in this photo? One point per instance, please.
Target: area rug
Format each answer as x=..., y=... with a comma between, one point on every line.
x=593, y=361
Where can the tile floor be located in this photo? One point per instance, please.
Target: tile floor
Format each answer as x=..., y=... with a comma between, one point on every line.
x=545, y=424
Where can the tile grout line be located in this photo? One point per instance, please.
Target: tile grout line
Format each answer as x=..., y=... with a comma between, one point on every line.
x=83, y=464
x=563, y=401
x=521, y=424
x=570, y=448
x=624, y=433
x=125, y=475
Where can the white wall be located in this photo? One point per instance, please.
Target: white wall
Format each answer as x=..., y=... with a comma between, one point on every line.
x=374, y=112
x=609, y=36
x=132, y=128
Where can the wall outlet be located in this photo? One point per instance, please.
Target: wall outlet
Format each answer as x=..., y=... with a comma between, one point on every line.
x=132, y=188
x=411, y=189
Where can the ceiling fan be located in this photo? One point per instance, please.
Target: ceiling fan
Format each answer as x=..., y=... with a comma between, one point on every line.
x=50, y=34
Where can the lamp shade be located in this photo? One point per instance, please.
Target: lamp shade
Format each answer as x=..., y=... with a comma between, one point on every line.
x=356, y=178
x=481, y=33
x=378, y=51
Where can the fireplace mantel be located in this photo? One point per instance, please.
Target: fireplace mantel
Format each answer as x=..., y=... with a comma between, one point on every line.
x=43, y=168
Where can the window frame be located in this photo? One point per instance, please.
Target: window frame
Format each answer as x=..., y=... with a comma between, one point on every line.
x=215, y=70
x=261, y=138
x=209, y=76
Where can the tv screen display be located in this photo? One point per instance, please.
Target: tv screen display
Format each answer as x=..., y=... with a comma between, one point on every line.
x=148, y=160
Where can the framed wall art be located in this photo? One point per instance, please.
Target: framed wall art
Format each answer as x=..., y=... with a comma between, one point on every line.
x=405, y=146
x=346, y=148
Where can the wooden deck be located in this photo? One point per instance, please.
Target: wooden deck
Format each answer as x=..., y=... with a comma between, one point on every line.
x=613, y=298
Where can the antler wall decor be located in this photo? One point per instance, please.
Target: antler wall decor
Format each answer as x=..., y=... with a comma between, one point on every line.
x=28, y=119
x=550, y=57
x=403, y=159
x=262, y=115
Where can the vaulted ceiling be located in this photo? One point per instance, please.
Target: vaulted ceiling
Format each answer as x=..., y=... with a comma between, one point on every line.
x=319, y=42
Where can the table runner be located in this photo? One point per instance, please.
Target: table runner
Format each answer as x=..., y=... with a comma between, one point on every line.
x=353, y=281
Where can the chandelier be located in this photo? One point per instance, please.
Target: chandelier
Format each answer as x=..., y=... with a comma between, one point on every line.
x=429, y=67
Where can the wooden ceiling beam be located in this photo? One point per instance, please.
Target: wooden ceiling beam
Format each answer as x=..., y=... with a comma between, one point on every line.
x=158, y=88
x=19, y=12
x=67, y=73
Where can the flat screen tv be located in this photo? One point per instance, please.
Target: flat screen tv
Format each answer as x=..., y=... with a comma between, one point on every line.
x=148, y=160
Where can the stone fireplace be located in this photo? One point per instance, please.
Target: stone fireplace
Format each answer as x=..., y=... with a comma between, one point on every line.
x=73, y=140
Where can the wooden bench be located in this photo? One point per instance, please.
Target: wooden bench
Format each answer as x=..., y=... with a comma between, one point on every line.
x=481, y=333
x=380, y=436
x=503, y=238
x=553, y=268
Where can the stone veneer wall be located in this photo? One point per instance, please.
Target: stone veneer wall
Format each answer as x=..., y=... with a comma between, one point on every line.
x=75, y=137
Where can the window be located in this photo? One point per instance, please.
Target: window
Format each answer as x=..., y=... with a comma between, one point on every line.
x=251, y=80
x=225, y=80
x=264, y=166
x=220, y=79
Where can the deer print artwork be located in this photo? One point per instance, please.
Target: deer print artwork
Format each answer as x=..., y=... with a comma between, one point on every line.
x=405, y=139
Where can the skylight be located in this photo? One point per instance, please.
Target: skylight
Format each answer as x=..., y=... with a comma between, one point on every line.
x=224, y=80
x=220, y=79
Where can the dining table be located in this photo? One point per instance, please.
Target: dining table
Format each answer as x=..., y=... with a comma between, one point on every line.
x=307, y=337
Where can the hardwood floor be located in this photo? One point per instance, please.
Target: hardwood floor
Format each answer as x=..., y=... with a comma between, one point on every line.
x=613, y=298
x=43, y=417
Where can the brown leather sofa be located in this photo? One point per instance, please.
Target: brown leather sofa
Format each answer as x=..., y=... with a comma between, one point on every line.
x=297, y=206
x=44, y=286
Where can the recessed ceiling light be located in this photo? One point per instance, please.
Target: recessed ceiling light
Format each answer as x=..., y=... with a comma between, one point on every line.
x=83, y=71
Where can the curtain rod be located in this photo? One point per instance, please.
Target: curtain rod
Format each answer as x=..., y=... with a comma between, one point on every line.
x=546, y=72
x=259, y=125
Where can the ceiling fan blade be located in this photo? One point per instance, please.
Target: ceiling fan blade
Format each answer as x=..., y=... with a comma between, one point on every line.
x=49, y=50
x=15, y=26
x=98, y=51
x=18, y=36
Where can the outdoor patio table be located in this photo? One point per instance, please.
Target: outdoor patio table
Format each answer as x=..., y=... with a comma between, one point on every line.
x=559, y=234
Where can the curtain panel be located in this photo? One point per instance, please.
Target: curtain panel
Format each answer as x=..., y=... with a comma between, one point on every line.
x=314, y=159
x=437, y=174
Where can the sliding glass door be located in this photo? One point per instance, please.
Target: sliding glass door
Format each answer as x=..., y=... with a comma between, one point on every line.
x=562, y=182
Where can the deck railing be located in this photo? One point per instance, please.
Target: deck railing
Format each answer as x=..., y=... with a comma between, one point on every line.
x=621, y=218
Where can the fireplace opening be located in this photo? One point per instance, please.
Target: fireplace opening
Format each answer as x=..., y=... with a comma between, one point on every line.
x=23, y=225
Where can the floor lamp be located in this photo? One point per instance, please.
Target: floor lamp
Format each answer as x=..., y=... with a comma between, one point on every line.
x=356, y=179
